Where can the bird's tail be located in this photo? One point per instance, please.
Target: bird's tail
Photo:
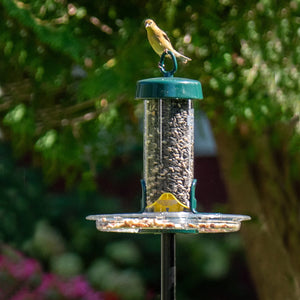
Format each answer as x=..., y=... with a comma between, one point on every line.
x=184, y=59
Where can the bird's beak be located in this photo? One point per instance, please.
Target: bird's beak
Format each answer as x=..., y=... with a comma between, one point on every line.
x=147, y=25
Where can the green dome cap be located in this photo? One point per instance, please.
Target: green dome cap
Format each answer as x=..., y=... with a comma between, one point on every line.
x=168, y=87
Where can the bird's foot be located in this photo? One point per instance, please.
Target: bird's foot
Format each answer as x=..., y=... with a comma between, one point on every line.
x=161, y=66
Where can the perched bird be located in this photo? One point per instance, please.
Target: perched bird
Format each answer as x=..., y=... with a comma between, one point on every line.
x=159, y=40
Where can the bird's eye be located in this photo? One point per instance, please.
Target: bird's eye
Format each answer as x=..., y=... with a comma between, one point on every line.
x=148, y=23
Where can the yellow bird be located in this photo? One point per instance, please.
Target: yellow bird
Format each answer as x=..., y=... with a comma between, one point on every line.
x=159, y=40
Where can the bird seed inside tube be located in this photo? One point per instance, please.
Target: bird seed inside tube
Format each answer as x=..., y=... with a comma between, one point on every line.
x=168, y=149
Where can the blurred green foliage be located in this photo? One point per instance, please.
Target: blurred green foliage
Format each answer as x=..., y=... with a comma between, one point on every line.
x=68, y=72
x=50, y=225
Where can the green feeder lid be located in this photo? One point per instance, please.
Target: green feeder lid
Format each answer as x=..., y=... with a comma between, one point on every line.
x=169, y=87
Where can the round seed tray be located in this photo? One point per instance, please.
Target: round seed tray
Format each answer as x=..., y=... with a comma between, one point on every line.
x=176, y=222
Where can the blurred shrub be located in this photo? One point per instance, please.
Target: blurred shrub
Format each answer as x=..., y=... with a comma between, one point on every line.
x=46, y=241
x=67, y=265
x=22, y=278
x=124, y=253
x=126, y=283
x=49, y=224
x=213, y=265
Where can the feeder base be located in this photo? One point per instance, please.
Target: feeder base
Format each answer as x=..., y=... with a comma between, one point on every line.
x=171, y=222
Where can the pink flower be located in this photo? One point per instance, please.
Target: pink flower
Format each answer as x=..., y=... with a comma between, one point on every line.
x=25, y=269
x=73, y=289
x=16, y=265
x=24, y=294
x=18, y=281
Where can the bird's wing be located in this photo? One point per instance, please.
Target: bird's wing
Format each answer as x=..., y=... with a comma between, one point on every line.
x=166, y=36
x=165, y=41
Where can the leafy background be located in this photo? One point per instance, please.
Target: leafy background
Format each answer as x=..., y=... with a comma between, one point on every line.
x=71, y=139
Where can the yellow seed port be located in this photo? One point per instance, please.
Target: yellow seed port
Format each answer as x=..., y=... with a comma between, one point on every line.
x=167, y=202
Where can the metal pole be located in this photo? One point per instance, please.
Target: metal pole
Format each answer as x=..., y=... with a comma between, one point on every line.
x=168, y=266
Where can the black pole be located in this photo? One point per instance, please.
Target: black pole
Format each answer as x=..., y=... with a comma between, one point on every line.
x=168, y=266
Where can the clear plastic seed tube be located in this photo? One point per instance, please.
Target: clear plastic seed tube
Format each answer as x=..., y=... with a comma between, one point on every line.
x=168, y=149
